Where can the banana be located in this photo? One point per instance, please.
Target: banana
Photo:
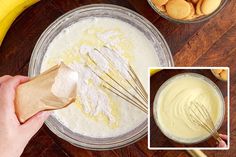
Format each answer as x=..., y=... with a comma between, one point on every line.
x=153, y=71
x=7, y=6
x=8, y=19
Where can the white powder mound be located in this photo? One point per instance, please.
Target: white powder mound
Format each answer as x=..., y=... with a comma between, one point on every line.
x=120, y=64
x=93, y=99
x=99, y=60
x=97, y=112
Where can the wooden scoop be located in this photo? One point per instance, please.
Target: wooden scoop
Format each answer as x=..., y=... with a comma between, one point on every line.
x=54, y=89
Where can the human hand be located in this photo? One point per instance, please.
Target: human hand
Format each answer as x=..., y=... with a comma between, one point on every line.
x=13, y=135
x=222, y=143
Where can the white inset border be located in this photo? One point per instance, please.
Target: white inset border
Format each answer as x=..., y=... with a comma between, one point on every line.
x=228, y=111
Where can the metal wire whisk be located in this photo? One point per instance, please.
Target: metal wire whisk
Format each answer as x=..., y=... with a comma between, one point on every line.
x=199, y=115
x=130, y=90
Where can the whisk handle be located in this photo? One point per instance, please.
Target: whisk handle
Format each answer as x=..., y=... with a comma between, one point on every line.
x=217, y=137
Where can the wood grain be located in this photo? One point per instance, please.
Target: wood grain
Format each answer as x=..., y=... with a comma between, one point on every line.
x=210, y=43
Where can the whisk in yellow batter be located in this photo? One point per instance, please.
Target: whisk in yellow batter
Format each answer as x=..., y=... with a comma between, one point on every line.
x=176, y=95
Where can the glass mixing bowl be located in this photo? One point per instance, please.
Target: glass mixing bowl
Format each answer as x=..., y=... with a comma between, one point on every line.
x=164, y=58
x=197, y=20
x=155, y=107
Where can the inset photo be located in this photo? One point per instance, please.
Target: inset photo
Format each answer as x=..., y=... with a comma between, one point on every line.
x=189, y=108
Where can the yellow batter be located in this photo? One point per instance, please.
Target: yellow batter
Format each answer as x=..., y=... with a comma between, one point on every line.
x=173, y=100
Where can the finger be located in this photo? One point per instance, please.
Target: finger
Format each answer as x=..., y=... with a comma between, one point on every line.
x=15, y=81
x=224, y=137
x=222, y=144
x=5, y=78
x=10, y=84
x=7, y=90
x=32, y=125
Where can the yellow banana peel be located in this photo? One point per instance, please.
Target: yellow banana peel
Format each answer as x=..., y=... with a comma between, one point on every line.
x=153, y=71
x=8, y=19
x=6, y=6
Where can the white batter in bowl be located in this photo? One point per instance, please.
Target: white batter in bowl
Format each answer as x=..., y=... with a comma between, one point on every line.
x=176, y=95
x=97, y=113
x=99, y=120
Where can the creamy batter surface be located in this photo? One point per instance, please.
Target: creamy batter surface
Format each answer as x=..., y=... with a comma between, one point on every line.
x=97, y=112
x=175, y=98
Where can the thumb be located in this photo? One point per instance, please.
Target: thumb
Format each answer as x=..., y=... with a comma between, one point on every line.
x=222, y=144
x=32, y=125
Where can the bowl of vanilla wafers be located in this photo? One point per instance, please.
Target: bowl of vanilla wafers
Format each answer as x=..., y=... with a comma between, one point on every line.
x=187, y=11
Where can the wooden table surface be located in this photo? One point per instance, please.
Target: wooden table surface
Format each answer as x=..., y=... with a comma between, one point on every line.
x=211, y=43
x=157, y=138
